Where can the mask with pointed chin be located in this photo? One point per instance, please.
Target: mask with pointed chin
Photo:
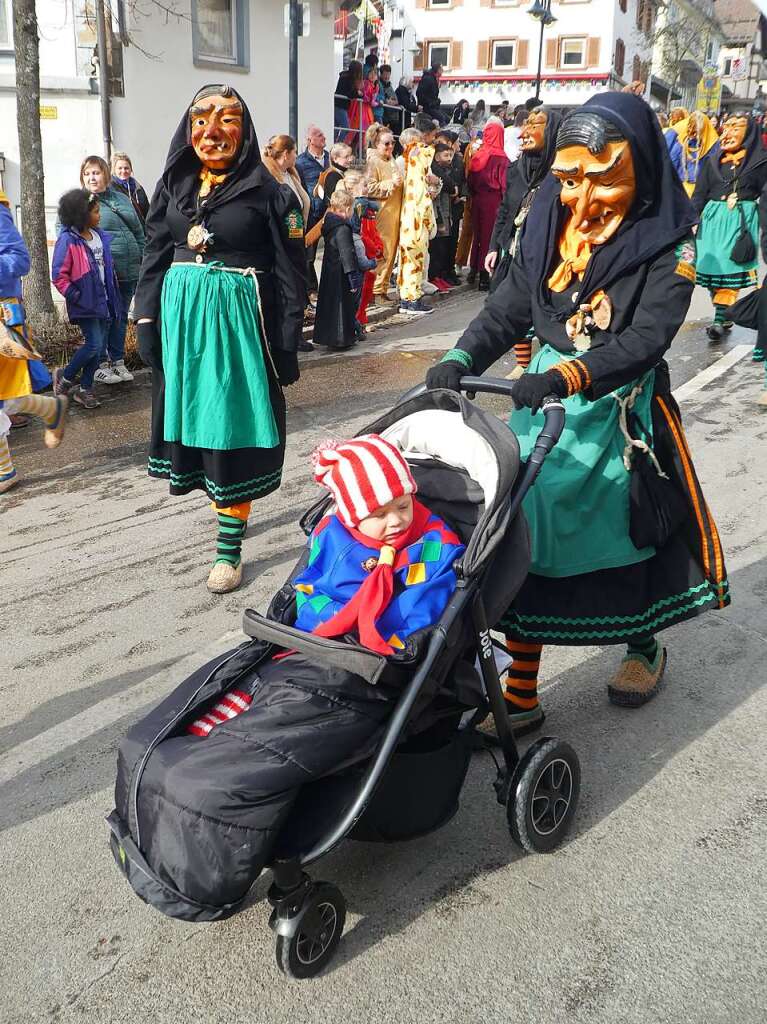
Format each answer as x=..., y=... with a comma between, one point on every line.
x=598, y=189
x=733, y=134
x=216, y=123
x=533, y=132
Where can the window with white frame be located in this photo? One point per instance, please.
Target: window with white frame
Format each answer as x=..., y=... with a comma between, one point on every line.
x=572, y=53
x=438, y=53
x=6, y=25
x=504, y=54
x=219, y=31
x=727, y=67
x=506, y=3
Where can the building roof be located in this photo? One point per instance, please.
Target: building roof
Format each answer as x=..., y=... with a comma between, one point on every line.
x=738, y=19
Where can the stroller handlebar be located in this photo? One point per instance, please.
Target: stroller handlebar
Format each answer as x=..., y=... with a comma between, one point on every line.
x=483, y=385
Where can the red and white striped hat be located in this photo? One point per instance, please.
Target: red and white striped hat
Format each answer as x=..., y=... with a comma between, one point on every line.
x=362, y=475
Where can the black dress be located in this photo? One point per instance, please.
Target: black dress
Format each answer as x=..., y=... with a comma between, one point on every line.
x=253, y=224
x=523, y=178
x=336, y=306
x=647, y=273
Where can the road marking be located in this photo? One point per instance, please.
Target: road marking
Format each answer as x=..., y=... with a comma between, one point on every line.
x=700, y=380
x=66, y=734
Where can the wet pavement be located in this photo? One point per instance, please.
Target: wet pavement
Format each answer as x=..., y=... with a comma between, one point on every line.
x=653, y=912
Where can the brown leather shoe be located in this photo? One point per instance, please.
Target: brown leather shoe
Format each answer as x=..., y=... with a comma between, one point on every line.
x=637, y=680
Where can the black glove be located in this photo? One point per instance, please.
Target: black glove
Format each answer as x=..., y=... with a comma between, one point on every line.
x=355, y=280
x=446, y=375
x=286, y=364
x=531, y=389
x=149, y=344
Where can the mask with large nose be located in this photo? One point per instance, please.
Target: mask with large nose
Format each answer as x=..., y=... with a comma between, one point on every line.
x=596, y=169
x=216, y=128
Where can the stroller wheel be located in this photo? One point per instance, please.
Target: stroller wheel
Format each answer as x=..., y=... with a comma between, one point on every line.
x=543, y=795
x=320, y=921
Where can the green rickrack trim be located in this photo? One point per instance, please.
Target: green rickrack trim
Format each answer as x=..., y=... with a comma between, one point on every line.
x=517, y=624
x=606, y=620
x=741, y=280
x=457, y=355
x=161, y=468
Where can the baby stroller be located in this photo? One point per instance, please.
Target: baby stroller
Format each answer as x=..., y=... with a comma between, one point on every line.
x=397, y=771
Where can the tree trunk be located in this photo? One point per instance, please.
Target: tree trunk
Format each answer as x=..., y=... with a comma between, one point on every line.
x=37, y=284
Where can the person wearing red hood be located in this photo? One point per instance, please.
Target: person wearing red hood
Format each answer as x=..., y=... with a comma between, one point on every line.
x=486, y=180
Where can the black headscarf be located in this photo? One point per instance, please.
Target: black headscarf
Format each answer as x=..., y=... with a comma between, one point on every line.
x=533, y=167
x=181, y=176
x=756, y=154
x=661, y=214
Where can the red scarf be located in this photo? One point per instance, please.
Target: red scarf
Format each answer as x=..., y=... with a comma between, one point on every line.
x=492, y=145
x=373, y=597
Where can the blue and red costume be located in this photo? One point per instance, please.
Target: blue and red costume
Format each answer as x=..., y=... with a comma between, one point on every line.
x=341, y=560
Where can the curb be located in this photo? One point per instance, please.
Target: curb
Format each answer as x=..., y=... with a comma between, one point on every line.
x=378, y=319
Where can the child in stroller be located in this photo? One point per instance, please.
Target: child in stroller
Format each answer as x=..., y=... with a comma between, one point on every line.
x=341, y=739
x=379, y=568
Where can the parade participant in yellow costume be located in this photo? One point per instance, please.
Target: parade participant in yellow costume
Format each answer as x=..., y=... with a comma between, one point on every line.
x=16, y=350
x=416, y=222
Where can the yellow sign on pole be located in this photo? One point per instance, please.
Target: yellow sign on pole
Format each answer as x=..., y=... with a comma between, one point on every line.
x=709, y=92
x=49, y=113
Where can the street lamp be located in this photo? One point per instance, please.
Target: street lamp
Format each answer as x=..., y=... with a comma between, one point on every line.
x=541, y=11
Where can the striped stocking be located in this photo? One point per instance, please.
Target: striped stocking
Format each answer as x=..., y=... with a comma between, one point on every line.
x=521, y=690
x=6, y=463
x=229, y=706
x=45, y=407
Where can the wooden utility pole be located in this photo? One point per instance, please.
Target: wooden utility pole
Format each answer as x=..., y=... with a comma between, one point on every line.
x=37, y=283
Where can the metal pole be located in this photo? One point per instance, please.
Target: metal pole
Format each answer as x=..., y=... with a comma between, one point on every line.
x=540, y=62
x=101, y=39
x=293, y=68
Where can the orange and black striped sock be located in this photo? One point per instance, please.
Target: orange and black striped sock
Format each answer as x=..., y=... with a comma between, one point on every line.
x=523, y=352
x=521, y=689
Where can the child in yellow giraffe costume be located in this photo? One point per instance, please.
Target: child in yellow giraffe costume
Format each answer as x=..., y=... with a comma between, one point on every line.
x=416, y=223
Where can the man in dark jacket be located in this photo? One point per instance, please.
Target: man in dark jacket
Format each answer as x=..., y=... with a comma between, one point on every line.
x=310, y=164
x=428, y=93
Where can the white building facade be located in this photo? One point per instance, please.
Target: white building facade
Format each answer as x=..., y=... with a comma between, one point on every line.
x=70, y=118
x=169, y=55
x=490, y=49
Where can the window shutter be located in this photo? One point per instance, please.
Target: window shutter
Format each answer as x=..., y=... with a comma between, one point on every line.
x=636, y=69
x=418, y=57
x=485, y=3
x=420, y=5
x=552, y=52
x=592, y=51
x=522, y=53
x=483, y=55
x=457, y=3
x=620, y=57
x=456, y=55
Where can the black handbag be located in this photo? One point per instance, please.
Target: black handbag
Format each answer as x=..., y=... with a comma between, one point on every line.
x=744, y=250
x=657, y=508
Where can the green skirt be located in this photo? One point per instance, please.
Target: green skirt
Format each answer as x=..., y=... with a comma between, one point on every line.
x=717, y=234
x=213, y=351
x=578, y=510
